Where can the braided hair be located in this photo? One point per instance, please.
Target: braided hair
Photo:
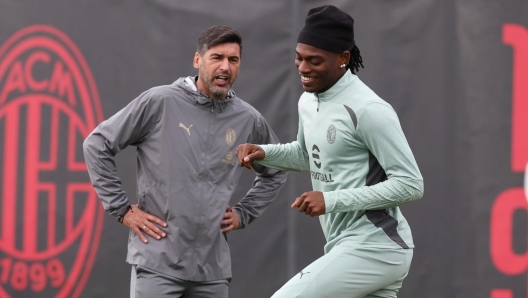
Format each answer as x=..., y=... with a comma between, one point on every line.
x=355, y=60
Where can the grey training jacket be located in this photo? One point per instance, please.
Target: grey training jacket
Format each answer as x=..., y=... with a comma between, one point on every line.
x=187, y=171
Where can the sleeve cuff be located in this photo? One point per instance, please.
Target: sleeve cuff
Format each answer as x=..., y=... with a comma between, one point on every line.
x=120, y=211
x=330, y=199
x=267, y=149
x=240, y=219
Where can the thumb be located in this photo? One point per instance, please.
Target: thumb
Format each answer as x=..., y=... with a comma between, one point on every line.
x=297, y=203
x=251, y=157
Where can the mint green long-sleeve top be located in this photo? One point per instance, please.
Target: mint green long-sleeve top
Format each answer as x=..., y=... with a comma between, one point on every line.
x=352, y=143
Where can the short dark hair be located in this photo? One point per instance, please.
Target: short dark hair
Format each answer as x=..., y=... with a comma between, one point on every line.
x=216, y=35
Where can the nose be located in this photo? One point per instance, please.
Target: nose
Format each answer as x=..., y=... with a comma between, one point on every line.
x=303, y=67
x=225, y=64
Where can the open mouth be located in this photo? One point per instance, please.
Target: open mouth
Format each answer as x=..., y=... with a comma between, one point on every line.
x=306, y=79
x=222, y=80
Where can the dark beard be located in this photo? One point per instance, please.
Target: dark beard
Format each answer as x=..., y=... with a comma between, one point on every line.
x=216, y=92
x=206, y=80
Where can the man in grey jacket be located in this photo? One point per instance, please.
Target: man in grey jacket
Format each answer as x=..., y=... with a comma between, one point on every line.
x=186, y=135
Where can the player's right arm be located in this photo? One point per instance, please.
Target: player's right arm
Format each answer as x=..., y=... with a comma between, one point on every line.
x=285, y=157
x=129, y=126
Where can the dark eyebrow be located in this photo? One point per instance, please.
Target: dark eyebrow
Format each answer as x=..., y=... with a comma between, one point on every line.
x=311, y=56
x=222, y=55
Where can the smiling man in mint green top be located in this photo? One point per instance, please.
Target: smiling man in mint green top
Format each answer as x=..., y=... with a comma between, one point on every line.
x=361, y=166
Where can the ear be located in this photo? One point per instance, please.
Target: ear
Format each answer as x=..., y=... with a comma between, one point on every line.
x=344, y=58
x=197, y=59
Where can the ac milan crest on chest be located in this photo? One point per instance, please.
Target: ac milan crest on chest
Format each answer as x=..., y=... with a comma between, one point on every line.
x=50, y=217
x=230, y=137
x=331, y=134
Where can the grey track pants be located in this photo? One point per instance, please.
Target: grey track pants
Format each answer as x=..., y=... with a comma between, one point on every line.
x=147, y=283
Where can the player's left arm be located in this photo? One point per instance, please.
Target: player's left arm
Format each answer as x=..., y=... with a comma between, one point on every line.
x=380, y=130
x=266, y=185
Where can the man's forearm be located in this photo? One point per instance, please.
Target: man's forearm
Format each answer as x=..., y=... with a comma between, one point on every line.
x=265, y=189
x=103, y=174
x=285, y=157
x=387, y=194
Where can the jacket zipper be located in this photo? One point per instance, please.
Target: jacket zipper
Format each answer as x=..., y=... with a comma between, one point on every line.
x=206, y=177
x=316, y=120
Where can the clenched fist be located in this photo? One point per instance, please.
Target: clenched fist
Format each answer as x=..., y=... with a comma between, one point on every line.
x=312, y=203
x=247, y=153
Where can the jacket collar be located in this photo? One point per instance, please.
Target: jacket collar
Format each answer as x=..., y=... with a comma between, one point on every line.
x=347, y=79
x=188, y=84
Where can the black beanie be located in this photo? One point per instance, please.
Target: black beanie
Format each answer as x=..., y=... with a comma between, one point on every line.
x=328, y=28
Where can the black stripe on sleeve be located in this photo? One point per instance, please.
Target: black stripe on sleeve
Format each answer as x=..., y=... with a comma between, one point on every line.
x=352, y=115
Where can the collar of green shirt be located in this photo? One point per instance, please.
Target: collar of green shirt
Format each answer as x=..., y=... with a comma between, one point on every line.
x=347, y=79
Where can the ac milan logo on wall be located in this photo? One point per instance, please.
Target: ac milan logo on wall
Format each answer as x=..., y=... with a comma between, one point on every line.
x=50, y=218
